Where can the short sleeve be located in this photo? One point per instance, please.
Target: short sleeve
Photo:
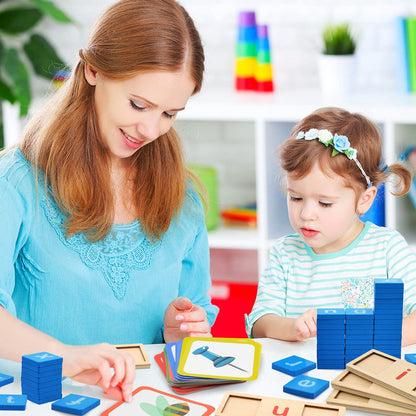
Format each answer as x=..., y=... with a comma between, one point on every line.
x=401, y=264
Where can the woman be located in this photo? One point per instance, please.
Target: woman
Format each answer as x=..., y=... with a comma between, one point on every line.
x=103, y=239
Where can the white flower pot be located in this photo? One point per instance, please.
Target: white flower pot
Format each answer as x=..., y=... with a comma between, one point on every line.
x=11, y=123
x=336, y=74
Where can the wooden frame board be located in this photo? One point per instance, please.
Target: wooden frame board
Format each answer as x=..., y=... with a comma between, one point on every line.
x=241, y=404
x=138, y=352
x=365, y=404
x=386, y=370
x=354, y=384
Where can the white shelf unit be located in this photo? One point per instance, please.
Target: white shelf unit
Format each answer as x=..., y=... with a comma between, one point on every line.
x=265, y=121
x=257, y=123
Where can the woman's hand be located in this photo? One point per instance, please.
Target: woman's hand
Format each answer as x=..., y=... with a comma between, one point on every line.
x=184, y=319
x=305, y=325
x=101, y=365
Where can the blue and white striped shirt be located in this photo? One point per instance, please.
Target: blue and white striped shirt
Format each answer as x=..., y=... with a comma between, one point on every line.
x=298, y=279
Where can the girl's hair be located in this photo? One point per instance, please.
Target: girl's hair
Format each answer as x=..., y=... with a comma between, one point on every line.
x=63, y=140
x=297, y=156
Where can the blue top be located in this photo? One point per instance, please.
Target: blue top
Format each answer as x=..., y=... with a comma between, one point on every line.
x=115, y=290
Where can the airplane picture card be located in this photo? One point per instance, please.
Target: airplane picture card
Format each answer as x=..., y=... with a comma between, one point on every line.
x=234, y=404
x=148, y=401
x=365, y=404
x=138, y=352
x=220, y=358
x=388, y=371
x=354, y=384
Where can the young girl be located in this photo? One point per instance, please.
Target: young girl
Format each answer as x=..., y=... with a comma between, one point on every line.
x=332, y=163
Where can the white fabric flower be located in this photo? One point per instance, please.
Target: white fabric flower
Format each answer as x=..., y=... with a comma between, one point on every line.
x=325, y=136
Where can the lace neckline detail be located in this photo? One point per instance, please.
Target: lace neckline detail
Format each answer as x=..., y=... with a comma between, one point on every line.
x=124, y=249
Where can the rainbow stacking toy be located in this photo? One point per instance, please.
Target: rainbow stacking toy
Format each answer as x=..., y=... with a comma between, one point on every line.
x=246, y=51
x=263, y=73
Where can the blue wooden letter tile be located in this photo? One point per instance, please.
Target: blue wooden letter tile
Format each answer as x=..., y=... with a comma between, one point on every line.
x=5, y=379
x=293, y=365
x=305, y=386
x=13, y=401
x=75, y=404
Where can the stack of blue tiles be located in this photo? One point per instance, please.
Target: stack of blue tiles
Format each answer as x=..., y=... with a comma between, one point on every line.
x=330, y=350
x=358, y=332
x=388, y=315
x=42, y=377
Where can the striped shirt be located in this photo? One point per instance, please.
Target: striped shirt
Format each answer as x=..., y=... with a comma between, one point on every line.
x=298, y=279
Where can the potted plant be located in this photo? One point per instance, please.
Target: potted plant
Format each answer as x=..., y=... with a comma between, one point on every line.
x=24, y=52
x=337, y=61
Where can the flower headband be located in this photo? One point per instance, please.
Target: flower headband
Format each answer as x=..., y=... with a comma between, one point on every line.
x=339, y=143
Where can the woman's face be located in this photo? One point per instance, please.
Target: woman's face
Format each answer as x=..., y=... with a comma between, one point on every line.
x=135, y=111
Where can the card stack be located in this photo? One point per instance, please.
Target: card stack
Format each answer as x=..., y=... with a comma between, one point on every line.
x=330, y=350
x=196, y=363
x=358, y=332
x=388, y=315
x=376, y=382
x=42, y=377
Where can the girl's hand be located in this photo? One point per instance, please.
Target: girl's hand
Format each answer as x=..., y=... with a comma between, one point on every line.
x=184, y=319
x=101, y=365
x=305, y=325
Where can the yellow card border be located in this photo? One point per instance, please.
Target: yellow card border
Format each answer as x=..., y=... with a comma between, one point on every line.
x=186, y=349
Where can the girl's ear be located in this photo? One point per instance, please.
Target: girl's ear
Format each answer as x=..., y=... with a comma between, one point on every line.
x=90, y=74
x=366, y=200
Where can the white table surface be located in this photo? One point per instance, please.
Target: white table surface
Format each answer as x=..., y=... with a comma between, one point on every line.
x=269, y=383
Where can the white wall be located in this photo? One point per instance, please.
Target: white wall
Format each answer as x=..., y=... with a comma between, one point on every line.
x=294, y=26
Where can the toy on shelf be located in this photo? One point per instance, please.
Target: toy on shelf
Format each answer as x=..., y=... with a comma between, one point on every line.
x=246, y=50
x=59, y=77
x=263, y=73
x=208, y=176
x=245, y=216
x=253, y=68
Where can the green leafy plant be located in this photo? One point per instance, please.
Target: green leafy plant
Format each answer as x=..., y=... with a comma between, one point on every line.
x=24, y=51
x=338, y=40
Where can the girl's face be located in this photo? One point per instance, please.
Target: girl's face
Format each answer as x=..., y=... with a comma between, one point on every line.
x=135, y=111
x=323, y=210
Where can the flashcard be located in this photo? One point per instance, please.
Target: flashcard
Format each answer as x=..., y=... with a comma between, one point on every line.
x=293, y=365
x=225, y=358
x=234, y=404
x=138, y=352
x=148, y=401
x=5, y=379
x=384, y=369
x=75, y=404
x=364, y=404
x=13, y=401
x=305, y=386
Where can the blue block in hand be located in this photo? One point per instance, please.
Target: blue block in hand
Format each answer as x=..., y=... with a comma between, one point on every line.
x=13, y=401
x=75, y=404
x=305, y=386
x=5, y=379
x=293, y=365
